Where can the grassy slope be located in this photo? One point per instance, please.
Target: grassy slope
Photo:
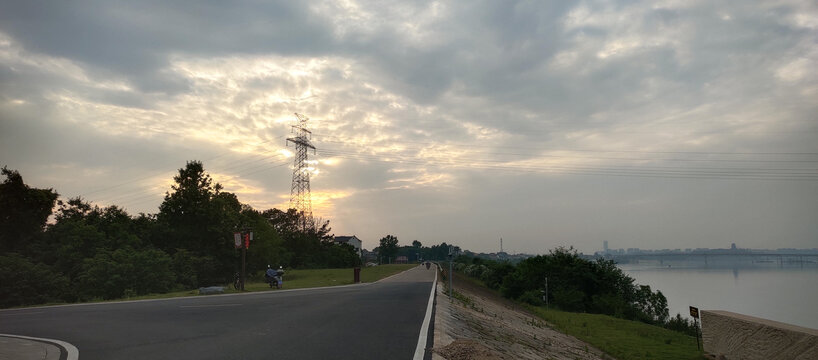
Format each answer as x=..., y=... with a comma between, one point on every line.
x=622, y=339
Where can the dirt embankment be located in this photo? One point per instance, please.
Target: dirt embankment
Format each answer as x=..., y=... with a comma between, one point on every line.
x=480, y=325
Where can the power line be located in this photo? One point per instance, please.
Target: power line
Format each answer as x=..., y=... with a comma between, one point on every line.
x=347, y=141
x=743, y=174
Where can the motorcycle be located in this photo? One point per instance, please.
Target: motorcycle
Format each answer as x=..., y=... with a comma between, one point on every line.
x=274, y=281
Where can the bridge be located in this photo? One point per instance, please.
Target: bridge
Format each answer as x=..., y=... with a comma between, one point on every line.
x=707, y=257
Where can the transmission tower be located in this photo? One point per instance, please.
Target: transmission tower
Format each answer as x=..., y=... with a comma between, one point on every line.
x=300, y=190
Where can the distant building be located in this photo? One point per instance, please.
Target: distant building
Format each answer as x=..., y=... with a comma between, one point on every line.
x=369, y=256
x=351, y=240
x=401, y=260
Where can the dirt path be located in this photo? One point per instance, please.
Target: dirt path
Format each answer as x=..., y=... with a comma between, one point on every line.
x=481, y=325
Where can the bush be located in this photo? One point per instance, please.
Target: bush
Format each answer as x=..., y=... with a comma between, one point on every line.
x=112, y=275
x=26, y=283
x=532, y=297
x=685, y=326
x=575, y=284
x=569, y=299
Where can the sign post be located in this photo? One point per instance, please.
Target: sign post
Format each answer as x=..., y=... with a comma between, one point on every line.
x=242, y=241
x=694, y=312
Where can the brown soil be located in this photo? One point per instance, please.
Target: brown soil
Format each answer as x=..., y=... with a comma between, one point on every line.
x=483, y=325
x=468, y=350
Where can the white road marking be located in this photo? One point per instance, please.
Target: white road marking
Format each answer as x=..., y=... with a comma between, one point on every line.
x=420, y=350
x=211, y=305
x=73, y=352
x=23, y=313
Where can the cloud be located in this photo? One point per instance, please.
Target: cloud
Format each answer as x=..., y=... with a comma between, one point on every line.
x=426, y=111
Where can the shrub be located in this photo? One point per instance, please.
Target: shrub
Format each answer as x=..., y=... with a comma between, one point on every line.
x=111, y=275
x=26, y=283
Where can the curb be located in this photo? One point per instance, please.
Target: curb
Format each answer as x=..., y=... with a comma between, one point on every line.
x=67, y=351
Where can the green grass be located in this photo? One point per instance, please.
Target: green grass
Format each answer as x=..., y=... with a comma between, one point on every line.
x=309, y=278
x=622, y=339
x=293, y=279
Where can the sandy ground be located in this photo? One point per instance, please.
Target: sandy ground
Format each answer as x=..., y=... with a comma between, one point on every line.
x=488, y=327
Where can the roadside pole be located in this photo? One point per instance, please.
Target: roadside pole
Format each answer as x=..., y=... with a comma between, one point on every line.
x=247, y=235
x=451, y=275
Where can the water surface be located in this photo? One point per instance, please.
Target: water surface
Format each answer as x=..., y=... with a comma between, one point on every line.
x=786, y=293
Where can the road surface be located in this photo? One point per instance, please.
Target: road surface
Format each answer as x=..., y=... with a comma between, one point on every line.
x=365, y=321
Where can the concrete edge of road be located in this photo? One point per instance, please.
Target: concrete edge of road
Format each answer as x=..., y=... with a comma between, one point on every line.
x=67, y=351
x=420, y=350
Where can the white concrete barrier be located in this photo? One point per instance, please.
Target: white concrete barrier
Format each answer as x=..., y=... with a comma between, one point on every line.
x=737, y=336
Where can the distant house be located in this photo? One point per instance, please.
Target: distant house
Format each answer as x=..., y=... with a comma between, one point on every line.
x=351, y=240
x=401, y=260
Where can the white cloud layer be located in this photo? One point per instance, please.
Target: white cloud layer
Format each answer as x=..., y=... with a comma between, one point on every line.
x=670, y=124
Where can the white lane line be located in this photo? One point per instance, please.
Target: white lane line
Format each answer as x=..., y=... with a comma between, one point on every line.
x=420, y=350
x=250, y=293
x=24, y=313
x=73, y=352
x=211, y=305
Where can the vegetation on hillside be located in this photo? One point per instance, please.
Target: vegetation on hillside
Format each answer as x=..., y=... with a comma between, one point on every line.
x=577, y=285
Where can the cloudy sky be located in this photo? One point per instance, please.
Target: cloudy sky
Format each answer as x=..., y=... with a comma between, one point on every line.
x=650, y=124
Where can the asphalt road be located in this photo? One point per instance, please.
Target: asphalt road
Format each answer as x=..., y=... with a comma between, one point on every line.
x=366, y=321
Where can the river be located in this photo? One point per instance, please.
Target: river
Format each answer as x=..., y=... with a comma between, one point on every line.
x=787, y=293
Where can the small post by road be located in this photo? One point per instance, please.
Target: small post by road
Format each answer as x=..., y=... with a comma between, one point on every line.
x=451, y=274
x=546, y=292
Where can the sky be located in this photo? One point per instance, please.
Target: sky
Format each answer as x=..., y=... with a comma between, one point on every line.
x=649, y=124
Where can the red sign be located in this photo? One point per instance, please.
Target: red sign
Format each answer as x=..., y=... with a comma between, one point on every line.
x=247, y=241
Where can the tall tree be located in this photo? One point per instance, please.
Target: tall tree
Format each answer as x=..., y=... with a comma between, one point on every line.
x=306, y=247
x=23, y=211
x=198, y=217
x=388, y=247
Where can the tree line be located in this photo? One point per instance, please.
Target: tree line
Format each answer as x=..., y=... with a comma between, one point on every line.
x=575, y=284
x=389, y=249
x=54, y=250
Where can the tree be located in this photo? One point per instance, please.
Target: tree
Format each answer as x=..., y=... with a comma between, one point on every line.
x=416, y=244
x=23, y=212
x=388, y=247
x=305, y=246
x=198, y=217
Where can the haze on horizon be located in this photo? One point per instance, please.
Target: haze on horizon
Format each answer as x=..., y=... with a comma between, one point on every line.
x=669, y=124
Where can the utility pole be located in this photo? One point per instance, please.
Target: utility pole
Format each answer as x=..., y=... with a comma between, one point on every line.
x=300, y=189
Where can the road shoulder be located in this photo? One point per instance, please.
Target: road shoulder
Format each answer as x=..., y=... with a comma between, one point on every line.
x=481, y=325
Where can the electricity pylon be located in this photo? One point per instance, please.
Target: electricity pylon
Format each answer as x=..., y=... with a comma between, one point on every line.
x=300, y=190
